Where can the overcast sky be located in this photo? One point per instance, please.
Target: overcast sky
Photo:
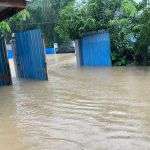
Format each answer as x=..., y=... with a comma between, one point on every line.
x=138, y=0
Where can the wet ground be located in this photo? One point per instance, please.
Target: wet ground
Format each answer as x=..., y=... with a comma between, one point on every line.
x=77, y=109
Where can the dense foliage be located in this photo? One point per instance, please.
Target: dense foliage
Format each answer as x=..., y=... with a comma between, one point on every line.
x=126, y=20
x=41, y=14
x=61, y=20
x=142, y=48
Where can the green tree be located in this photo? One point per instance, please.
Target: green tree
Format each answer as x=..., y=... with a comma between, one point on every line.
x=16, y=21
x=74, y=22
x=143, y=39
x=4, y=27
x=117, y=16
x=44, y=15
x=7, y=26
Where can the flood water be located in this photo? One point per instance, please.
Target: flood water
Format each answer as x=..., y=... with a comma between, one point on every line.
x=77, y=109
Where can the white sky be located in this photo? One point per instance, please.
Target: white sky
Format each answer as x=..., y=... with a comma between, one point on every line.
x=138, y=0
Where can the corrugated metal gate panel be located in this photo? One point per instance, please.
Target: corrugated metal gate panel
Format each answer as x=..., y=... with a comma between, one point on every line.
x=50, y=51
x=5, y=76
x=30, y=55
x=95, y=49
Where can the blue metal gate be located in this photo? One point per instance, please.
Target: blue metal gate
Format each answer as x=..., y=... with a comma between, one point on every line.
x=29, y=55
x=95, y=49
x=5, y=76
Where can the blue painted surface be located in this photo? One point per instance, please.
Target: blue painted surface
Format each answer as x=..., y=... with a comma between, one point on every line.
x=5, y=76
x=95, y=50
x=50, y=51
x=30, y=55
x=10, y=54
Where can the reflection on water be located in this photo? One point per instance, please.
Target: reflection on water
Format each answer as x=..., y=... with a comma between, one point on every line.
x=77, y=109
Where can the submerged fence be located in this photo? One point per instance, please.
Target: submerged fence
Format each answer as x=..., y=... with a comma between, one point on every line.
x=5, y=76
x=93, y=49
x=29, y=55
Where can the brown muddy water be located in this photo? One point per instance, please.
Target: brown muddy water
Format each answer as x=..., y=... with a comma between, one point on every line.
x=77, y=109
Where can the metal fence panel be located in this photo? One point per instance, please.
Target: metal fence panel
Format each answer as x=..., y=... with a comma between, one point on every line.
x=29, y=55
x=95, y=50
x=50, y=51
x=9, y=54
x=5, y=75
